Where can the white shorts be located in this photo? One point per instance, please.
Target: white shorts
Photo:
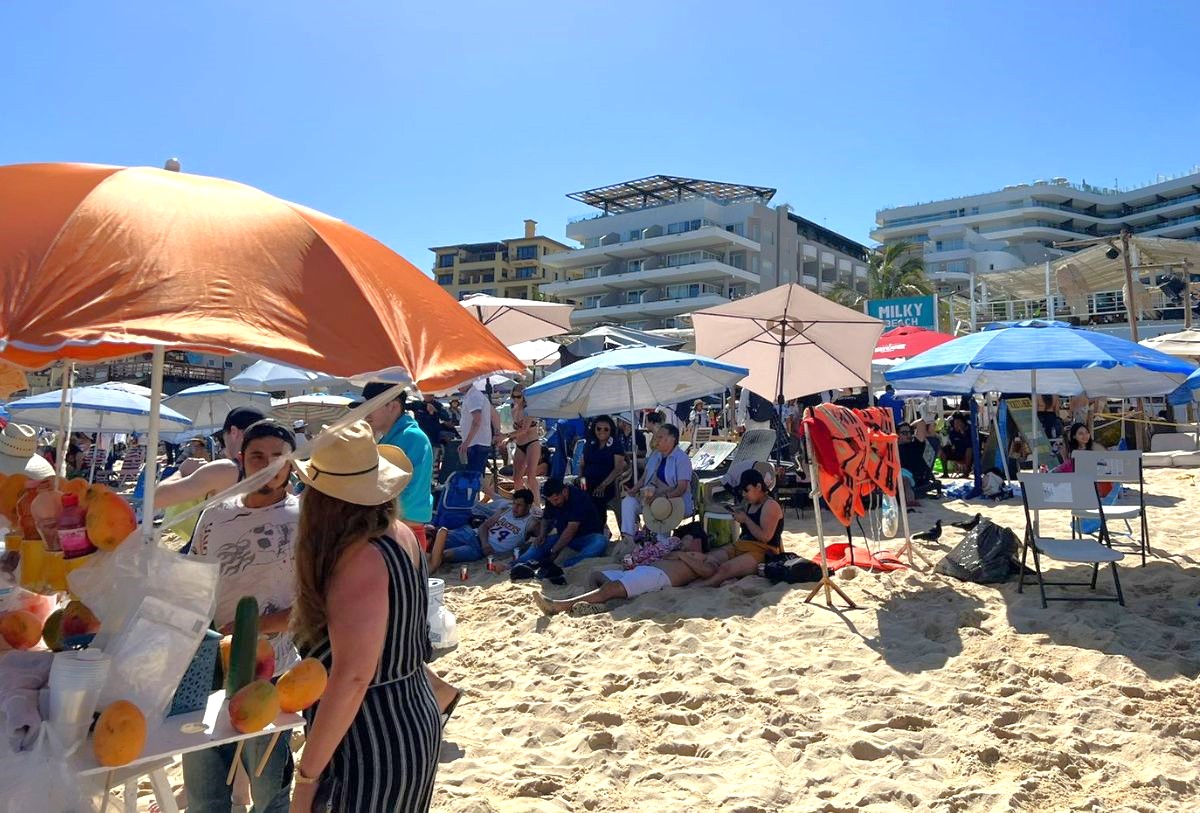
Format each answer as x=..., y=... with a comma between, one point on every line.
x=642, y=579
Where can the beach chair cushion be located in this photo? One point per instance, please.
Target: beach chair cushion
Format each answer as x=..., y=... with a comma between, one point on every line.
x=1158, y=460
x=1085, y=551
x=1172, y=442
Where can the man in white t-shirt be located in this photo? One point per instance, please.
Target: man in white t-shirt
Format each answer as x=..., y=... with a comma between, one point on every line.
x=252, y=539
x=475, y=428
x=498, y=536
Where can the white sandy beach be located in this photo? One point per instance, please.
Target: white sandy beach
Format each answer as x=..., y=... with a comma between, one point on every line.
x=935, y=695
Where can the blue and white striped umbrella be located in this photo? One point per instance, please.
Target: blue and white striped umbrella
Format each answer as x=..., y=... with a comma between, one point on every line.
x=208, y=404
x=95, y=409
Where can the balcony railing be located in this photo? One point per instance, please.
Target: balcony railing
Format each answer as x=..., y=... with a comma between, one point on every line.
x=131, y=370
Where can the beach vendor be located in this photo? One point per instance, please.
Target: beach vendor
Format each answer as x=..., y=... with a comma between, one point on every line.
x=762, y=532
x=394, y=425
x=18, y=453
x=251, y=538
x=668, y=473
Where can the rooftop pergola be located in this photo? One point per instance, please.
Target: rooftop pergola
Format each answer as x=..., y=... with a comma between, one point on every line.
x=656, y=190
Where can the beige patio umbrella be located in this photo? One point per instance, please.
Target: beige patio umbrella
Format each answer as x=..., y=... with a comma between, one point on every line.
x=519, y=320
x=1184, y=344
x=794, y=342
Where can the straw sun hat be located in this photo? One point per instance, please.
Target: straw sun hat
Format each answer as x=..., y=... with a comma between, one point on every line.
x=347, y=465
x=18, y=453
x=664, y=514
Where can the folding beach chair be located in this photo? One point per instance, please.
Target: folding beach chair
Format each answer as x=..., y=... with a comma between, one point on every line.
x=1122, y=469
x=131, y=467
x=458, y=498
x=1071, y=493
x=701, y=435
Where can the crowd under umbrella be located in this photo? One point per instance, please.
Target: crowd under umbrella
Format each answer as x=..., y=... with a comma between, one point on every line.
x=1042, y=356
x=113, y=261
x=96, y=409
x=208, y=404
x=628, y=379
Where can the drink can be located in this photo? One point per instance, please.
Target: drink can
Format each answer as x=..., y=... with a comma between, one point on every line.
x=491, y=565
x=462, y=573
x=516, y=553
x=628, y=562
x=762, y=570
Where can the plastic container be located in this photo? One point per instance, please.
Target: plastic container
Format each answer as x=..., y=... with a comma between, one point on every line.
x=443, y=626
x=76, y=680
x=72, y=530
x=197, y=682
x=54, y=571
x=33, y=558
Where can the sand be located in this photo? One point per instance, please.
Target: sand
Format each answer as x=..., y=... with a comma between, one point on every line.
x=935, y=695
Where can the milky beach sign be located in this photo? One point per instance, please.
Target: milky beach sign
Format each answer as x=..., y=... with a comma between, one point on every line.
x=918, y=311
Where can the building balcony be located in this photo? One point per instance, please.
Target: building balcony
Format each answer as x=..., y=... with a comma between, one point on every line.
x=658, y=309
x=650, y=277
x=713, y=237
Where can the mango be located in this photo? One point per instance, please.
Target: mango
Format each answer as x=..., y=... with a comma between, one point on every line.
x=120, y=734
x=10, y=491
x=52, y=635
x=302, y=685
x=254, y=707
x=79, y=624
x=20, y=629
x=264, y=657
x=110, y=519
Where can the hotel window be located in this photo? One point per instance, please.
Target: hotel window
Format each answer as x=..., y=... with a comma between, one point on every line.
x=683, y=226
x=635, y=297
x=635, y=234
x=445, y=279
x=738, y=259
x=633, y=266
x=527, y=253
x=527, y=273
x=737, y=228
x=592, y=301
x=445, y=261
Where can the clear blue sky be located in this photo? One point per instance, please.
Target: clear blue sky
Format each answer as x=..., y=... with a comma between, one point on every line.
x=446, y=122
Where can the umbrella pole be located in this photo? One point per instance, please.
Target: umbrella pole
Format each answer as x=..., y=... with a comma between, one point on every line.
x=1033, y=412
x=1001, y=446
x=633, y=436
x=96, y=448
x=156, y=388
x=825, y=581
x=64, y=418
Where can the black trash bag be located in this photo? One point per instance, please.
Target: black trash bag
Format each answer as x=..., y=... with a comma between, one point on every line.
x=987, y=555
x=792, y=569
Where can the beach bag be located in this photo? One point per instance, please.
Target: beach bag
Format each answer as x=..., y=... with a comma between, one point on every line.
x=792, y=570
x=986, y=555
x=759, y=408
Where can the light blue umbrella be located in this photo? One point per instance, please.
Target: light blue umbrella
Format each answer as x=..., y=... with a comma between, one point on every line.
x=1189, y=390
x=1042, y=356
x=628, y=379
x=208, y=404
x=95, y=409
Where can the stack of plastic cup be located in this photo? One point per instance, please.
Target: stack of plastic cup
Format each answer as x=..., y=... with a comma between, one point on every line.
x=76, y=679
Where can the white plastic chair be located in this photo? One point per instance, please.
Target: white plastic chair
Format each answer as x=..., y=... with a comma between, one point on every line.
x=1070, y=493
x=1122, y=468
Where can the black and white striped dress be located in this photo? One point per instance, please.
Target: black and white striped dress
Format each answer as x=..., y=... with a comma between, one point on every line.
x=387, y=761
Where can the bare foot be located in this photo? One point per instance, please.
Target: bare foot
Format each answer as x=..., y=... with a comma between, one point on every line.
x=547, y=606
x=438, y=549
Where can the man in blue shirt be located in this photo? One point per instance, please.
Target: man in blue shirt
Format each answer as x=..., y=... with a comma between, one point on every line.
x=896, y=405
x=573, y=523
x=396, y=427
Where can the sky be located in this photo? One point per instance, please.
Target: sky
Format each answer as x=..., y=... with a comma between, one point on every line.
x=438, y=123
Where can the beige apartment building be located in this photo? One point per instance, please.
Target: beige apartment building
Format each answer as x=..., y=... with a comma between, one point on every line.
x=510, y=268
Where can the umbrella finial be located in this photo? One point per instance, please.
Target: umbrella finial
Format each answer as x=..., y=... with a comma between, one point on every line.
x=172, y=165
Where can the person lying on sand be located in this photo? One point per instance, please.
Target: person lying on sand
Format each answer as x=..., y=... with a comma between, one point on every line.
x=676, y=569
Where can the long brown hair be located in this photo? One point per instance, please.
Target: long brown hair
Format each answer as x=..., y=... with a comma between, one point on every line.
x=328, y=528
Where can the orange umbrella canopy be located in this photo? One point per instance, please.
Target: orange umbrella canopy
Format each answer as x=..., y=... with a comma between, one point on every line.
x=99, y=262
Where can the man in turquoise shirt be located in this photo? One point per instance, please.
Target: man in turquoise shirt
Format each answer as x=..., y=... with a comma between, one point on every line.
x=394, y=426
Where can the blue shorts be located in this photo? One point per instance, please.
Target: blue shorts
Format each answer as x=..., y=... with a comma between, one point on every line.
x=463, y=545
x=477, y=458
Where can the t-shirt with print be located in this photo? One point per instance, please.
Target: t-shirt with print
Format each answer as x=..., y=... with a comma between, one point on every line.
x=255, y=551
x=507, y=531
x=476, y=402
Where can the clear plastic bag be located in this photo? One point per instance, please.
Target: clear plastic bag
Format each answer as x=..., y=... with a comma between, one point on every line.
x=40, y=779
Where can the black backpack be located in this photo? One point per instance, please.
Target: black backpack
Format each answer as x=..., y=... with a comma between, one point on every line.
x=759, y=408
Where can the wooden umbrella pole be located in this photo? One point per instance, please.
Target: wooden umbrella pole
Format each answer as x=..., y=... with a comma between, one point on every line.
x=266, y=757
x=825, y=581
x=237, y=760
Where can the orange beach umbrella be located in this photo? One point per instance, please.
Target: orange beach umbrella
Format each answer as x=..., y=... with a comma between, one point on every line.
x=99, y=262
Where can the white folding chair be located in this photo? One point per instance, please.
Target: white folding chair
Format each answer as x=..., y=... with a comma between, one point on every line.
x=1065, y=492
x=1122, y=468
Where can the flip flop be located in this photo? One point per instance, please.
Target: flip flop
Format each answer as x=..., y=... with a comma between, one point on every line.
x=584, y=608
x=449, y=710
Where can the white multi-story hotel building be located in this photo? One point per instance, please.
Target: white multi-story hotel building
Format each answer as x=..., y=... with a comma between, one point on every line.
x=665, y=246
x=1018, y=225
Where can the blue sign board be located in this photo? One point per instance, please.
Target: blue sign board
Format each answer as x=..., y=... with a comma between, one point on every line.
x=919, y=311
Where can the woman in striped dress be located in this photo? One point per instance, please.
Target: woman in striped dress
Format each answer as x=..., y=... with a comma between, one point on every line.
x=373, y=739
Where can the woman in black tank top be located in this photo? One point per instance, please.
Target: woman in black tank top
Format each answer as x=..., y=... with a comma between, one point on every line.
x=761, y=536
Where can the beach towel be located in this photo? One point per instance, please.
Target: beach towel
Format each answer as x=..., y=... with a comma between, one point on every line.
x=840, y=554
x=855, y=454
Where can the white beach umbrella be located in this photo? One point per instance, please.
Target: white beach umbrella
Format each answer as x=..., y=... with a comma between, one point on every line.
x=519, y=320
x=208, y=404
x=270, y=376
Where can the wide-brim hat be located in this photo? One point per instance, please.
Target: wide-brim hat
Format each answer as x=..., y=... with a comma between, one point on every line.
x=18, y=453
x=664, y=514
x=347, y=465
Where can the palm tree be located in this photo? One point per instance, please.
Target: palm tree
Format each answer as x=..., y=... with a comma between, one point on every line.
x=892, y=272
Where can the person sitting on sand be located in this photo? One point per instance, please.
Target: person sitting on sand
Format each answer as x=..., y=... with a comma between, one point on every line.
x=499, y=534
x=571, y=522
x=676, y=569
x=762, y=532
